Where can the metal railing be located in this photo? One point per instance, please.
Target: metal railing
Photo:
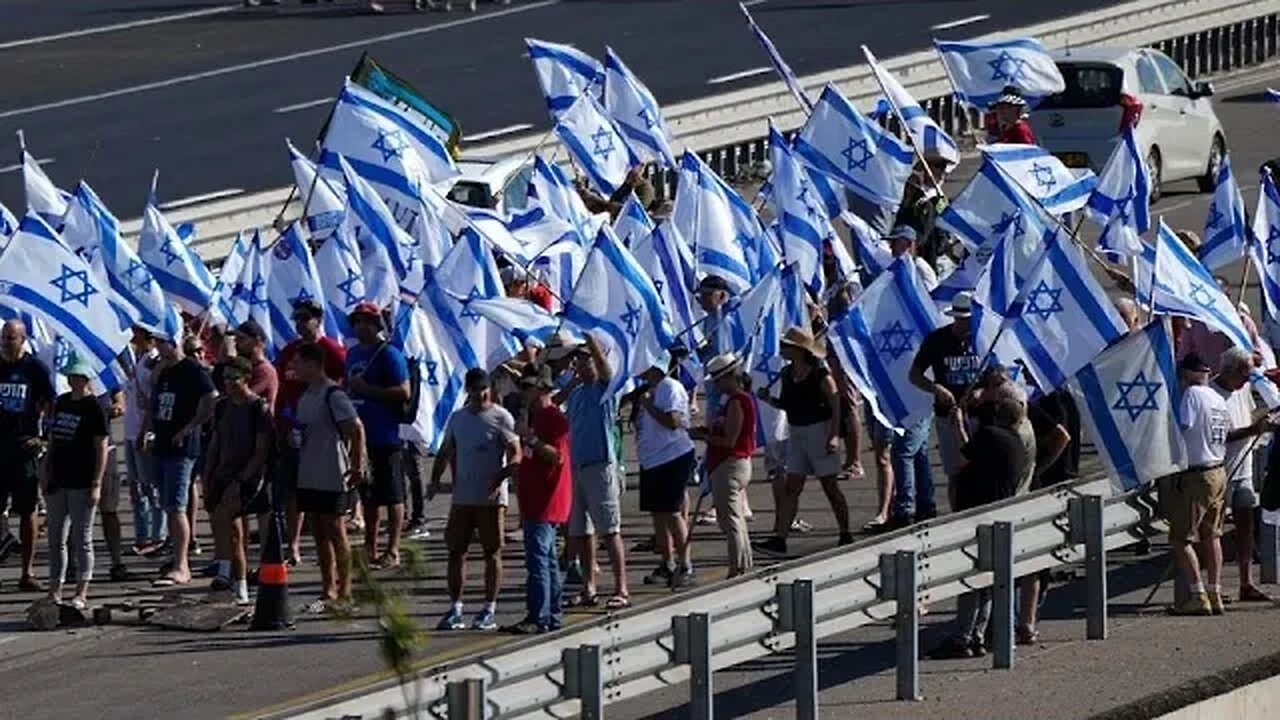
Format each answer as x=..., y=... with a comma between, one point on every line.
x=728, y=130
x=580, y=670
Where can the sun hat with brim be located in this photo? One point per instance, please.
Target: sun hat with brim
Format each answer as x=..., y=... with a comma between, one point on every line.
x=961, y=305
x=800, y=338
x=1193, y=363
x=1010, y=95
x=81, y=368
x=561, y=345
x=722, y=365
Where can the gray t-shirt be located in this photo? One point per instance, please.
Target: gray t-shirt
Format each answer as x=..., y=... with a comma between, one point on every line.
x=323, y=461
x=480, y=452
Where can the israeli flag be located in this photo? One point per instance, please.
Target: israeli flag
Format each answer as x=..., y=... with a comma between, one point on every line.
x=224, y=288
x=636, y=113
x=763, y=356
x=752, y=308
x=466, y=274
x=526, y=321
x=1128, y=397
x=1226, y=231
x=536, y=230
x=493, y=229
x=802, y=223
x=551, y=189
x=967, y=274
x=565, y=74
x=42, y=276
x=986, y=207
x=387, y=251
x=878, y=339
x=181, y=273
x=1042, y=176
x=43, y=197
x=1182, y=285
x=341, y=280
x=250, y=301
x=671, y=266
x=928, y=138
x=8, y=223
x=427, y=343
x=94, y=233
x=780, y=65
x=1265, y=250
x=1120, y=203
x=322, y=202
x=596, y=145
x=719, y=223
x=292, y=278
x=872, y=253
x=981, y=70
x=1144, y=270
x=633, y=222
x=840, y=142
x=616, y=301
x=996, y=294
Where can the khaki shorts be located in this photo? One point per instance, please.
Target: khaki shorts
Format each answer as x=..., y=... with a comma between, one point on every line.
x=1195, y=501
x=467, y=521
x=111, y=481
x=807, y=453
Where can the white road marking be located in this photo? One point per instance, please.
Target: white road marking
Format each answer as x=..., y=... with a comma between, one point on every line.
x=508, y=130
x=302, y=105
x=1244, y=190
x=960, y=23
x=118, y=26
x=15, y=168
x=205, y=197
x=739, y=75
x=753, y=3
x=267, y=62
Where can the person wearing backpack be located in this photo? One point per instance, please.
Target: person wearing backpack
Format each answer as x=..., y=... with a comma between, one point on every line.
x=331, y=465
x=234, y=470
x=379, y=382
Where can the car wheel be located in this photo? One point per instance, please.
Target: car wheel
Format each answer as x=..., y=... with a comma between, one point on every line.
x=1155, y=170
x=1217, y=152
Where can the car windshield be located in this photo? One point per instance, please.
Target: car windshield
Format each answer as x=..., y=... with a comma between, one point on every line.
x=1088, y=86
x=472, y=194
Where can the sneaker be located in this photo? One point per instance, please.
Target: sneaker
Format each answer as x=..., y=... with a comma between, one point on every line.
x=119, y=573
x=573, y=576
x=801, y=526
x=1196, y=605
x=8, y=545
x=978, y=648
x=484, y=620
x=242, y=595
x=452, y=621
x=845, y=539
x=774, y=545
x=194, y=549
x=682, y=579
x=525, y=627
x=661, y=575
x=418, y=530
x=1216, y=605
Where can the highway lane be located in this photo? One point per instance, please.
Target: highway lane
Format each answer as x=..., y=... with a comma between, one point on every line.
x=197, y=97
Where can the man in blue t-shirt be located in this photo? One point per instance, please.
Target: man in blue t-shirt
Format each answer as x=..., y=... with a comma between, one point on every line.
x=378, y=378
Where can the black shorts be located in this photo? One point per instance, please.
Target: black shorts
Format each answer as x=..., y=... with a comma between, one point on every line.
x=662, y=486
x=284, y=471
x=323, y=502
x=386, y=477
x=19, y=481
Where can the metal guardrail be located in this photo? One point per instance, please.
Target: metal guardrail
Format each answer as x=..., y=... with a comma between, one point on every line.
x=728, y=130
x=580, y=670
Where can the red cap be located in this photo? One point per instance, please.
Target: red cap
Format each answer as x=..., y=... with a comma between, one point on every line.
x=366, y=308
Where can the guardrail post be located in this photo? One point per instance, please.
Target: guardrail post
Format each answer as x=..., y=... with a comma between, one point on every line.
x=1095, y=561
x=700, y=688
x=806, y=672
x=1269, y=549
x=465, y=699
x=1002, y=589
x=907, y=593
x=590, y=683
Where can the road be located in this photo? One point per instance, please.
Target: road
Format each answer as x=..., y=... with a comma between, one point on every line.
x=205, y=91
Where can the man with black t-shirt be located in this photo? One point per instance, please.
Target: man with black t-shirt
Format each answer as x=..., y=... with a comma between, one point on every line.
x=25, y=397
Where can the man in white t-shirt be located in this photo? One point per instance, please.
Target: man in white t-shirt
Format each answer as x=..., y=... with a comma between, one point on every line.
x=1232, y=384
x=902, y=241
x=149, y=527
x=667, y=461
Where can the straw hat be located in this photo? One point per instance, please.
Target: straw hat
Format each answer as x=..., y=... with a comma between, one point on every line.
x=800, y=338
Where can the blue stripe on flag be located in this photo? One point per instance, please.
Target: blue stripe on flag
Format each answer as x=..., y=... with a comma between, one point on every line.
x=58, y=314
x=1039, y=355
x=885, y=389
x=422, y=136
x=1104, y=423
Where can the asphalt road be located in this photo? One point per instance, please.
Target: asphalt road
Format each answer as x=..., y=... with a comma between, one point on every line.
x=200, y=97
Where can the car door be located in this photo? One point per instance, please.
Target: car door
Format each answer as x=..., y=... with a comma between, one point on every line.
x=1158, y=114
x=1194, y=126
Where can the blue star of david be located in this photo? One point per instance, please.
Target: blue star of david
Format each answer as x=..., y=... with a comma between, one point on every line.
x=137, y=276
x=771, y=376
x=657, y=284
x=1007, y=67
x=62, y=354
x=1201, y=296
x=1215, y=217
x=1034, y=306
x=860, y=148
x=467, y=312
x=895, y=340
x=390, y=144
x=432, y=367
x=253, y=297
x=63, y=282
x=647, y=118
x=1043, y=175
x=345, y=286
x=805, y=197
x=632, y=318
x=302, y=296
x=170, y=255
x=1122, y=205
x=1125, y=403
x=602, y=143
x=1006, y=219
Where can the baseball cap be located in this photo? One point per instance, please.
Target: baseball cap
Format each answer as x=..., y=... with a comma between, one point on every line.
x=903, y=232
x=476, y=379
x=79, y=367
x=366, y=308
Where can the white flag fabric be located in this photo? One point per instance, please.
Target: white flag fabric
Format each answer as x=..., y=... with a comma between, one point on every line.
x=717, y=221
x=249, y=298
x=779, y=64
x=323, y=202
x=427, y=344
x=671, y=267
x=1266, y=247
x=292, y=278
x=176, y=266
x=559, y=267
x=928, y=138
x=633, y=222
x=224, y=287
x=525, y=320
x=871, y=251
x=1226, y=230
x=341, y=280
x=565, y=74
x=1182, y=285
x=1042, y=176
x=8, y=224
x=802, y=222
x=981, y=70
x=551, y=189
x=595, y=144
x=1128, y=397
x=986, y=207
x=636, y=113
x=1121, y=201
x=469, y=273
x=391, y=267
x=43, y=197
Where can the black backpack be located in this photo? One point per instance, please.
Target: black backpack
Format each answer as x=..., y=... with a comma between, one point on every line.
x=406, y=412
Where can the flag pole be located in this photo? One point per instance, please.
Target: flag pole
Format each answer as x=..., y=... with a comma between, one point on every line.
x=1244, y=277
x=897, y=114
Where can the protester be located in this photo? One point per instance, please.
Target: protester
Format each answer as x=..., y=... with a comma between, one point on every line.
x=481, y=447
x=634, y=183
x=922, y=203
x=331, y=463
x=544, y=487
x=902, y=242
x=378, y=380
x=182, y=401
x=731, y=441
x=112, y=405
x=596, y=487
x=149, y=526
x=515, y=281
x=26, y=395
x=72, y=480
x=1010, y=112
x=211, y=355
x=721, y=333
x=667, y=461
x=810, y=400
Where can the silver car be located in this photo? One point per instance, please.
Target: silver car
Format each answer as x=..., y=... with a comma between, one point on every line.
x=1107, y=89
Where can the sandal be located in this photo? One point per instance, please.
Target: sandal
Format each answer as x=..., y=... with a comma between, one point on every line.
x=169, y=579
x=386, y=562
x=1249, y=593
x=618, y=602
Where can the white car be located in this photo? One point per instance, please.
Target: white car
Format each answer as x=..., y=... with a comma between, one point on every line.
x=500, y=184
x=1107, y=89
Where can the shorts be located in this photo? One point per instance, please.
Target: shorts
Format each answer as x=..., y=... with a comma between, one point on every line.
x=807, y=453
x=323, y=502
x=1241, y=494
x=386, y=477
x=880, y=434
x=1195, y=502
x=173, y=475
x=467, y=521
x=21, y=484
x=283, y=474
x=251, y=497
x=662, y=486
x=112, y=480
x=775, y=456
x=596, y=506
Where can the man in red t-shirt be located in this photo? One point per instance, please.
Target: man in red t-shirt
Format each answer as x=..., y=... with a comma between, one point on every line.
x=516, y=284
x=1010, y=111
x=307, y=319
x=545, y=492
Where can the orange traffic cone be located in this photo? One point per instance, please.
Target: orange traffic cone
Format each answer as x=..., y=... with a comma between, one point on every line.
x=271, y=610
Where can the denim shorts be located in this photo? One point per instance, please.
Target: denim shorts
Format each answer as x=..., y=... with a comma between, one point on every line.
x=174, y=478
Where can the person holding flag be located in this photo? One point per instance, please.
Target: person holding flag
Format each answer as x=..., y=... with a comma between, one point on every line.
x=1008, y=123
